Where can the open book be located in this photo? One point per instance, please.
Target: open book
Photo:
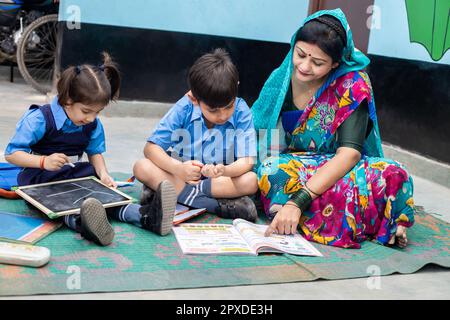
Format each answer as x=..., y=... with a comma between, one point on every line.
x=240, y=238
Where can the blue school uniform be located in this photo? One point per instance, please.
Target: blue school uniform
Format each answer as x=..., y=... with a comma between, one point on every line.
x=183, y=133
x=45, y=130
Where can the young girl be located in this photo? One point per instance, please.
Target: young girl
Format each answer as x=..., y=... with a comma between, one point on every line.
x=50, y=140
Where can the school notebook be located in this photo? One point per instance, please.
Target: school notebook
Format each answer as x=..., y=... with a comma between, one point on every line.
x=239, y=238
x=25, y=228
x=183, y=213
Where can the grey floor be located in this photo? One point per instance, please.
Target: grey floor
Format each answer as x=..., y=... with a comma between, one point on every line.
x=125, y=139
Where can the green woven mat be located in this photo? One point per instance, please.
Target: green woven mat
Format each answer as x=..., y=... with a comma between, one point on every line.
x=141, y=260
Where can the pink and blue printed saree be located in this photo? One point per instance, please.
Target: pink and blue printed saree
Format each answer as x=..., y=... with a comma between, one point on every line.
x=371, y=200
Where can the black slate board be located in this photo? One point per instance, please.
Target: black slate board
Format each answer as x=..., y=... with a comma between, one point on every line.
x=65, y=197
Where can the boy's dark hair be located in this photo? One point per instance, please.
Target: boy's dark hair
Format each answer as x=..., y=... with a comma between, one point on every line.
x=214, y=79
x=90, y=85
x=327, y=33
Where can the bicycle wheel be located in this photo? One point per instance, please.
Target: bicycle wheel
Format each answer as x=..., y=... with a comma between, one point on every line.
x=37, y=52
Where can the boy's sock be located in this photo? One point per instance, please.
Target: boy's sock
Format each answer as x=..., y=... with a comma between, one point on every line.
x=128, y=213
x=205, y=187
x=192, y=196
x=155, y=215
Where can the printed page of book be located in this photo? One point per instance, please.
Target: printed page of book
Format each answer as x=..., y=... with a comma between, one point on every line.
x=200, y=238
x=293, y=244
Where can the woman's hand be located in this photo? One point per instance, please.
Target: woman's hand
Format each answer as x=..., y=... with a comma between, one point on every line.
x=55, y=161
x=286, y=220
x=213, y=171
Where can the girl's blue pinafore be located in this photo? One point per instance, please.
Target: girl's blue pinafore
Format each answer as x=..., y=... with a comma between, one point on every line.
x=57, y=141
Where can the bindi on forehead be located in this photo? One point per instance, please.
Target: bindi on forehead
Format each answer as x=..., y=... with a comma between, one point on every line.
x=309, y=54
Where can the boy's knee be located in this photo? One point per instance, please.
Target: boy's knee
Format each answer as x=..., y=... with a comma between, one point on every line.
x=140, y=167
x=250, y=182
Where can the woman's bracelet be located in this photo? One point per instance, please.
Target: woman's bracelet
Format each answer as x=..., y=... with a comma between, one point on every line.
x=302, y=199
x=312, y=192
x=41, y=163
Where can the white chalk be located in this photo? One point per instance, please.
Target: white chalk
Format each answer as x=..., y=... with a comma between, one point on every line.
x=69, y=164
x=121, y=184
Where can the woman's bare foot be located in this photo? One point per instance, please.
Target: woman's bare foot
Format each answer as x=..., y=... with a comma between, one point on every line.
x=400, y=237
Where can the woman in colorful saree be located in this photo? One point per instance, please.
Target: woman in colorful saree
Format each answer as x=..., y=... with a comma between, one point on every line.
x=331, y=180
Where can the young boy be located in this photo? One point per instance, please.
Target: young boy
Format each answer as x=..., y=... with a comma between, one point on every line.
x=205, y=145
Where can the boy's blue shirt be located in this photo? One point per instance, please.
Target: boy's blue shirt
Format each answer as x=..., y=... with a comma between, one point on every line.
x=183, y=132
x=31, y=128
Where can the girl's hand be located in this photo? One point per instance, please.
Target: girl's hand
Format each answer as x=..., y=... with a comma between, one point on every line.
x=213, y=171
x=108, y=180
x=55, y=161
x=286, y=220
x=189, y=171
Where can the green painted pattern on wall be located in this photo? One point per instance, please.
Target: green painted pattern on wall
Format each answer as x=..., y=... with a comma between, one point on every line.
x=429, y=25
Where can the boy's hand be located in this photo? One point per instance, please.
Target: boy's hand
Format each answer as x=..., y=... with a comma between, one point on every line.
x=108, y=180
x=189, y=171
x=213, y=171
x=55, y=161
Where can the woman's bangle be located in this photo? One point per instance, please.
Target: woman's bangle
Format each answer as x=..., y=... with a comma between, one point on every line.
x=41, y=164
x=316, y=194
x=302, y=199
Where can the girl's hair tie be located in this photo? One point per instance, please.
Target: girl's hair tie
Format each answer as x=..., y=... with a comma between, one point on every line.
x=78, y=70
x=101, y=67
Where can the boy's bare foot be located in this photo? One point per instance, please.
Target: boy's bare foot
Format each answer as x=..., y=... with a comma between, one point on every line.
x=400, y=238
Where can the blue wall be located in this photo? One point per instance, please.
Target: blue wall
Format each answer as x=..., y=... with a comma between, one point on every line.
x=267, y=20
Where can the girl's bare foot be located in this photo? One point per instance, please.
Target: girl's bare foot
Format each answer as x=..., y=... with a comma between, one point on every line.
x=400, y=237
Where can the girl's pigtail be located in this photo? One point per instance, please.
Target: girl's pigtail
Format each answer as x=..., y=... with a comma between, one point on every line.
x=65, y=84
x=112, y=74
